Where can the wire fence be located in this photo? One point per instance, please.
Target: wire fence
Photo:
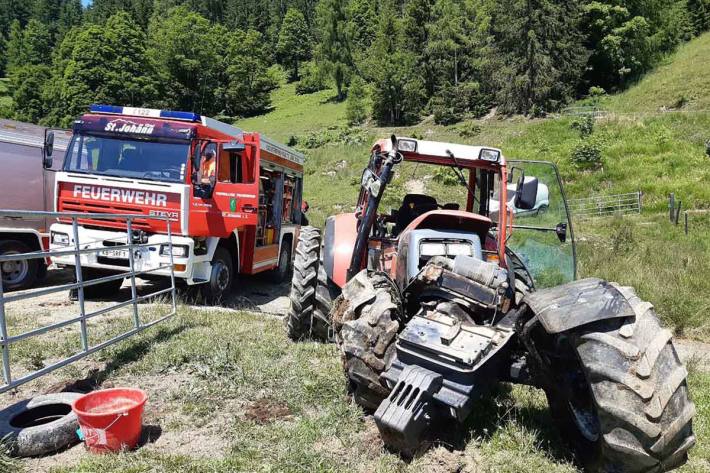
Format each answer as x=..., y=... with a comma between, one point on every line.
x=606, y=205
x=129, y=248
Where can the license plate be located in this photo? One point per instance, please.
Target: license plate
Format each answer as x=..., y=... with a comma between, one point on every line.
x=117, y=254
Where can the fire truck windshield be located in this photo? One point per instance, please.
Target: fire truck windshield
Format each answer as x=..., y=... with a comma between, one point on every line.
x=164, y=160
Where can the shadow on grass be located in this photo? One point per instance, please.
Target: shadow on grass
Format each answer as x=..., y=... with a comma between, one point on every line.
x=131, y=353
x=492, y=412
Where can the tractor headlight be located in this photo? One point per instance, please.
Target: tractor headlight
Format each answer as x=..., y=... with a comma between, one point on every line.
x=60, y=239
x=179, y=251
x=492, y=155
x=432, y=249
x=455, y=249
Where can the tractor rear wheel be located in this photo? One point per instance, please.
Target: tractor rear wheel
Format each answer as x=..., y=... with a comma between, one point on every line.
x=308, y=314
x=367, y=317
x=619, y=393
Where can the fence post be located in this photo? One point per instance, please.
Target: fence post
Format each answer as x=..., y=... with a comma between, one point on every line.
x=3, y=333
x=677, y=212
x=671, y=205
x=638, y=196
x=686, y=221
x=132, y=263
x=80, y=282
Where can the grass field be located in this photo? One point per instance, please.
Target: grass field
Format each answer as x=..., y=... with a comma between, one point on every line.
x=244, y=398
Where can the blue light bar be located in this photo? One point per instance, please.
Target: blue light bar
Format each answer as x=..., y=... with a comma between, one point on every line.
x=145, y=112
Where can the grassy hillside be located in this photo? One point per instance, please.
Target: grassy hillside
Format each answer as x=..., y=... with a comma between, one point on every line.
x=680, y=82
x=651, y=152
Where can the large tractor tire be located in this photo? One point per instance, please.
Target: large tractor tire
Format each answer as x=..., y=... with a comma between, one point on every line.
x=367, y=318
x=619, y=393
x=310, y=295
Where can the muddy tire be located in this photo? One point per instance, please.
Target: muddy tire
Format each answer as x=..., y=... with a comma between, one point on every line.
x=622, y=401
x=18, y=274
x=40, y=425
x=302, y=320
x=221, y=277
x=367, y=317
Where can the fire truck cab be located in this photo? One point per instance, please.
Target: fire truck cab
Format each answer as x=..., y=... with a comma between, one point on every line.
x=233, y=198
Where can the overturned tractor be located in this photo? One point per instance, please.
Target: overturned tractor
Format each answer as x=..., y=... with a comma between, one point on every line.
x=430, y=305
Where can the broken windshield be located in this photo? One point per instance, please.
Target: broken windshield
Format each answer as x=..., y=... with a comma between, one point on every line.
x=126, y=157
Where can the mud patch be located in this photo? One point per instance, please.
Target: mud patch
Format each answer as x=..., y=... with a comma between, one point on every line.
x=442, y=460
x=265, y=411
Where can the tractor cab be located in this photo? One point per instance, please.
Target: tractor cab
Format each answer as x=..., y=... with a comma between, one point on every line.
x=477, y=215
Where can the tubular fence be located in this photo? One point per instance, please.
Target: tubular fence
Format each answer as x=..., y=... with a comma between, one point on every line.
x=605, y=205
x=77, y=249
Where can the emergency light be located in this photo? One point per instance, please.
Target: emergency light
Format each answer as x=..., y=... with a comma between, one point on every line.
x=145, y=112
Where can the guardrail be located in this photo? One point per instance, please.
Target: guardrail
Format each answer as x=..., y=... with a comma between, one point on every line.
x=80, y=248
x=605, y=205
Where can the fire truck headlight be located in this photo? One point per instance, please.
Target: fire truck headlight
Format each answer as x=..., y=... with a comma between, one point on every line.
x=179, y=251
x=60, y=239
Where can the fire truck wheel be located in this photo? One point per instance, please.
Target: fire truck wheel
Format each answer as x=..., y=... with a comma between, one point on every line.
x=221, y=277
x=619, y=393
x=283, y=270
x=18, y=274
x=366, y=319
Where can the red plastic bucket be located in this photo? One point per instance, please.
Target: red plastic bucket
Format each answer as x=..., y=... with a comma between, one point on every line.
x=111, y=419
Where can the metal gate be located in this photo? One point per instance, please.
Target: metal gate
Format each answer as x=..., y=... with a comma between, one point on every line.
x=605, y=205
x=77, y=249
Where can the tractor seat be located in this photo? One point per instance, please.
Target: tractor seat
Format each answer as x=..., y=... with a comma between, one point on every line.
x=414, y=205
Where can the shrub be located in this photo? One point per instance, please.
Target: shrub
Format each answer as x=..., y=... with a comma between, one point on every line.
x=468, y=130
x=445, y=176
x=313, y=79
x=585, y=125
x=587, y=155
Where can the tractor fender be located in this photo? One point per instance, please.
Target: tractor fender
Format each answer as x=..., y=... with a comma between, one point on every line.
x=338, y=243
x=577, y=303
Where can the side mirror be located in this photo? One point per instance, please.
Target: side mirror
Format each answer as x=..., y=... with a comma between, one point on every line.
x=47, y=160
x=526, y=193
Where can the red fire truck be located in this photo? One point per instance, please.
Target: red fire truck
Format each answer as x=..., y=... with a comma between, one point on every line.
x=233, y=197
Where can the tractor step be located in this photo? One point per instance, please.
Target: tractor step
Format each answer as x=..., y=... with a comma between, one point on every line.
x=406, y=412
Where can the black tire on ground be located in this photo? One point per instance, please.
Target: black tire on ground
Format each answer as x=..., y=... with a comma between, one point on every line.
x=367, y=317
x=97, y=291
x=304, y=282
x=283, y=270
x=623, y=401
x=40, y=425
x=18, y=274
x=221, y=277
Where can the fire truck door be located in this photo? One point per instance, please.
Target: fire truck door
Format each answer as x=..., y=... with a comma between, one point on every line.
x=236, y=191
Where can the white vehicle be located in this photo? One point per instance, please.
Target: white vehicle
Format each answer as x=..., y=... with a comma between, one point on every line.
x=542, y=199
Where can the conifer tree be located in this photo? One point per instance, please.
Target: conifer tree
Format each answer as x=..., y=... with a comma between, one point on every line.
x=539, y=54
x=334, y=53
x=294, y=43
x=355, y=106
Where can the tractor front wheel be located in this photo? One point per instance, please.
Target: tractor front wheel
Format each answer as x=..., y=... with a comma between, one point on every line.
x=367, y=317
x=308, y=314
x=618, y=392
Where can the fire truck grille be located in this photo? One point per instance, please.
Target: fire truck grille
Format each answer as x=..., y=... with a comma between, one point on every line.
x=68, y=205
